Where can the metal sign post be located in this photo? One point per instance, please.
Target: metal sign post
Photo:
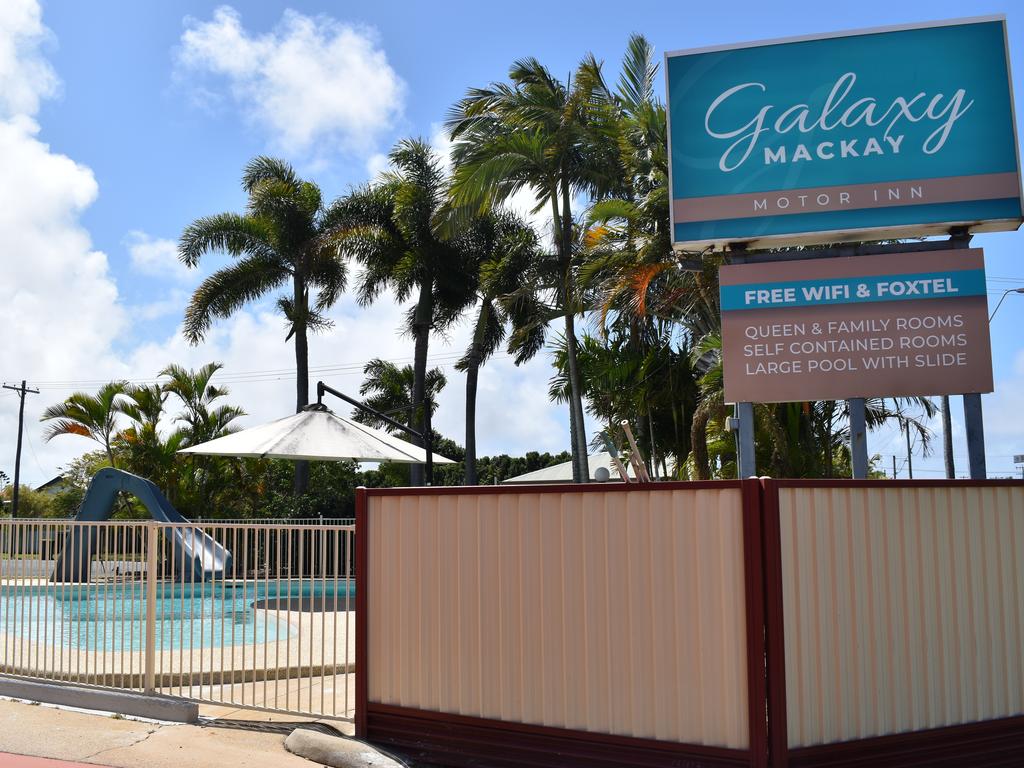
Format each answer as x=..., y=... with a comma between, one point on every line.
x=746, y=462
x=858, y=438
x=975, y=436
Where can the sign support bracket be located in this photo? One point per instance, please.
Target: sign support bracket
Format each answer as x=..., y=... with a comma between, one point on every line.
x=740, y=253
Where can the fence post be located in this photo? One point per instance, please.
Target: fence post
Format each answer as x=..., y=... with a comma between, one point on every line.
x=775, y=639
x=753, y=566
x=152, y=538
x=362, y=581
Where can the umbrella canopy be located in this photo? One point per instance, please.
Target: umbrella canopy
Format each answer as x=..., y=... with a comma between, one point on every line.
x=316, y=434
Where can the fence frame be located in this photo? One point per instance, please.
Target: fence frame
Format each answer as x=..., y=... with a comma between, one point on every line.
x=149, y=668
x=995, y=742
x=468, y=738
x=991, y=743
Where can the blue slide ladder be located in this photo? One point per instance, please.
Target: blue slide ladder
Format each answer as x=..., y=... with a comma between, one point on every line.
x=208, y=559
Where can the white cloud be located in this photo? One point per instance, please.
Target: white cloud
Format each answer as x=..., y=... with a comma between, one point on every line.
x=377, y=164
x=441, y=144
x=314, y=84
x=155, y=257
x=59, y=306
x=521, y=203
x=25, y=76
x=67, y=328
x=173, y=304
x=513, y=412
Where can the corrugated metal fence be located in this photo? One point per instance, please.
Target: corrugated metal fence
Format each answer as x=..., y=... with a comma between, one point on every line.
x=900, y=615
x=782, y=623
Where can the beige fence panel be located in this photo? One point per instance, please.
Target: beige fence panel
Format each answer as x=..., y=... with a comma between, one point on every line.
x=903, y=608
x=613, y=612
x=275, y=630
x=74, y=632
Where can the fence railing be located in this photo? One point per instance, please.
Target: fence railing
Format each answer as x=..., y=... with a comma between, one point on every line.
x=240, y=614
x=219, y=520
x=277, y=520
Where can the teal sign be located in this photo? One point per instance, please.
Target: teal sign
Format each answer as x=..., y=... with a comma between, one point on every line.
x=854, y=290
x=901, y=132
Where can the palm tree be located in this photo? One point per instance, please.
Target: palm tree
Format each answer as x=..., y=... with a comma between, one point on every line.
x=197, y=394
x=390, y=227
x=557, y=140
x=201, y=420
x=145, y=450
x=284, y=239
x=92, y=416
x=504, y=248
x=389, y=389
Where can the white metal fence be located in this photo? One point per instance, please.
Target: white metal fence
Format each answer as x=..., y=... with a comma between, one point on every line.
x=238, y=614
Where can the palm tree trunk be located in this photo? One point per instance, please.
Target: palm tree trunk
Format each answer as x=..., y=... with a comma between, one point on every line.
x=699, y=440
x=653, y=461
x=556, y=223
x=301, y=372
x=947, y=439
x=472, y=372
x=581, y=469
x=421, y=334
x=582, y=473
x=826, y=437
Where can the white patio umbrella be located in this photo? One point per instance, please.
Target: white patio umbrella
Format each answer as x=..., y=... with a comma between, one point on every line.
x=316, y=434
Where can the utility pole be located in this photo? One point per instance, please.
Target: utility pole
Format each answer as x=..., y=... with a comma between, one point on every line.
x=22, y=391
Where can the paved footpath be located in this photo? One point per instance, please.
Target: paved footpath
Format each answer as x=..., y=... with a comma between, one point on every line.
x=8, y=760
x=98, y=740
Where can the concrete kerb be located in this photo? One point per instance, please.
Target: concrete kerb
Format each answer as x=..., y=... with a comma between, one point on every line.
x=166, y=708
x=337, y=752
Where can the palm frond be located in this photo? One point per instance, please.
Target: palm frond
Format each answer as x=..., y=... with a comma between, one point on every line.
x=262, y=168
x=232, y=233
x=230, y=288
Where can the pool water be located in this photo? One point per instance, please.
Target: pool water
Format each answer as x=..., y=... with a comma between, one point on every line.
x=100, y=617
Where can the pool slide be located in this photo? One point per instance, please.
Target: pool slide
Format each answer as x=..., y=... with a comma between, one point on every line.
x=207, y=558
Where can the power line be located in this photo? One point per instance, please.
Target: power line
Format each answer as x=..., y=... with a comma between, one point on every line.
x=267, y=374
x=35, y=458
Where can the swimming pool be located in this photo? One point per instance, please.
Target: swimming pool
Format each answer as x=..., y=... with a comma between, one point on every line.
x=111, y=617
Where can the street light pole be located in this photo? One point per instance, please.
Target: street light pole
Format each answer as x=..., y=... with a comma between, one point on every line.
x=973, y=418
x=999, y=303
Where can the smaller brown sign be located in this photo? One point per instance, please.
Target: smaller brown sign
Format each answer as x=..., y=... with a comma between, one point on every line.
x=867, y=326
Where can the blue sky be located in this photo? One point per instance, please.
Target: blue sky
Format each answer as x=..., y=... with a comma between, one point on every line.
x=120, y=122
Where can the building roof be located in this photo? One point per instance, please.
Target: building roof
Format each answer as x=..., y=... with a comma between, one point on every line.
x=52, y=484
x=562, y=473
